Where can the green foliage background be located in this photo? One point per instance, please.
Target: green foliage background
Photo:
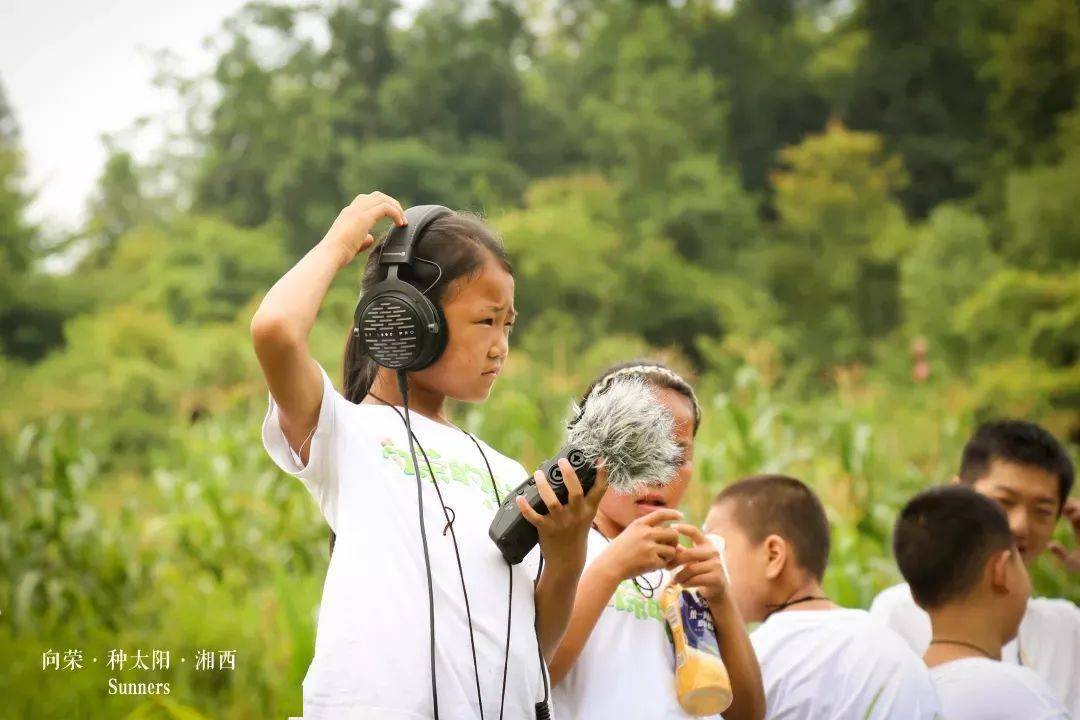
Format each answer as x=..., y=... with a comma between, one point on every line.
x=783, y=198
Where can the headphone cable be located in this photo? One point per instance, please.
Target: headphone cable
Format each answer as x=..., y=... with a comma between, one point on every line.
x=542, y=709
x=403, y=387
x=510, y=578
x=450, y=519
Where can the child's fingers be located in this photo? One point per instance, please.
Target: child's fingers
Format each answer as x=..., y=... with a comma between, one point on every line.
x=570, y=479
x=388, y=210
x=528, y=513
x=697, y=553
x=710, y=579
x=691, y=531
x=546, y=493
x=380, y=205
x=667, y=536
x=660, y=516
x=666, y=553
x=1067, y=559
x=383, y=196
x=1071, y=511
x=690, y=573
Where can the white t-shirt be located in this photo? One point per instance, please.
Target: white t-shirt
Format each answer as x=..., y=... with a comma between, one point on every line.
x=839, y=665
x=1048, y=641
x=627, y=668
x=983, y=689
x=371, y=656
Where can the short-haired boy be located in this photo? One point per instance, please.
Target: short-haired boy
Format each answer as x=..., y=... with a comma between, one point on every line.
x=1027, y=472
x=955, y=549
x=818, y=660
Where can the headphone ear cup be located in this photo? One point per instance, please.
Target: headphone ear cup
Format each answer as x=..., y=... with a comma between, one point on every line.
x=434, y=337
x=398, y=327
x=395, y=323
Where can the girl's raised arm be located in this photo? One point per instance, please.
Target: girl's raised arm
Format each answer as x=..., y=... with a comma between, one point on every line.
x=281, y=325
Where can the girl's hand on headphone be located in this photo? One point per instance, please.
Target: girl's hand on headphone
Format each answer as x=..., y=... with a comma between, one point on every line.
x=351, y=232
x=645, y=545
x=564, y=530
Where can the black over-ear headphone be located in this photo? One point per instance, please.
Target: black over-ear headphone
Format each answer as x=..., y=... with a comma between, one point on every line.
x=397, y=325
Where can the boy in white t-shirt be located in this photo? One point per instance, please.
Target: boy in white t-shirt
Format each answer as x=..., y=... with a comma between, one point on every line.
x=1027, y=472
x=818, y=660
x=956, y=551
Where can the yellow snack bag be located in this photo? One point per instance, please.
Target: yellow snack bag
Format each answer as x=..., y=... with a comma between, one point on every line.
x=701, y=680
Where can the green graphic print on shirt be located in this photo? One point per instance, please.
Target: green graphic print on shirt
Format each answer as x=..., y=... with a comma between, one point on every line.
x=627, y=598
x=446, y=471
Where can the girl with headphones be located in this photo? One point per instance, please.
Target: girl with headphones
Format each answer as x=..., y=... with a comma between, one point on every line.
x=616, y=659
x=420, y=616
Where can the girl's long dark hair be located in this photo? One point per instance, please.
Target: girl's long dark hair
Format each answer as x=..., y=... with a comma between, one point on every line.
x=460, y=244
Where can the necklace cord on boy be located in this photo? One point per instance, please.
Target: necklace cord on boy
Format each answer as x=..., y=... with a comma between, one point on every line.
x=785, y=605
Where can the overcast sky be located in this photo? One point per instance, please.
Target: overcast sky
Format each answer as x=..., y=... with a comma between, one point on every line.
x=75, y=69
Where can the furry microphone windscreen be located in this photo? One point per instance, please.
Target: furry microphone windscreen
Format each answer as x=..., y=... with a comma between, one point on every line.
x=629, y=431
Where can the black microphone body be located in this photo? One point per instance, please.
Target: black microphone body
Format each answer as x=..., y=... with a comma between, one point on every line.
x=513, y=534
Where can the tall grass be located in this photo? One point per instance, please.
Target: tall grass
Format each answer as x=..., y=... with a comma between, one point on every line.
x=213, y=548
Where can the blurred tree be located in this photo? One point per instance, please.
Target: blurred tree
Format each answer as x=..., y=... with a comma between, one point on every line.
x=1026, y=313
x=1035, y=69
x=456, y=79
x=705, y=212
x=1041, y=203
x=1026, y=328
x=479, y=178
x=117, y=205
x=761, y=53
x=661, y=109
x=239, y=146
x=31, y=311
x=564, y=245
x=195, y=270
x=952, y=258
x=841, y=232
x=272, y=150
x=119, y=364
x=580, y=271
x=17, y=234
x=918, y=83
x=360, y=58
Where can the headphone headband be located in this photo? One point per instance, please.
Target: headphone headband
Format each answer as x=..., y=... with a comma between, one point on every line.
x=397, y=248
